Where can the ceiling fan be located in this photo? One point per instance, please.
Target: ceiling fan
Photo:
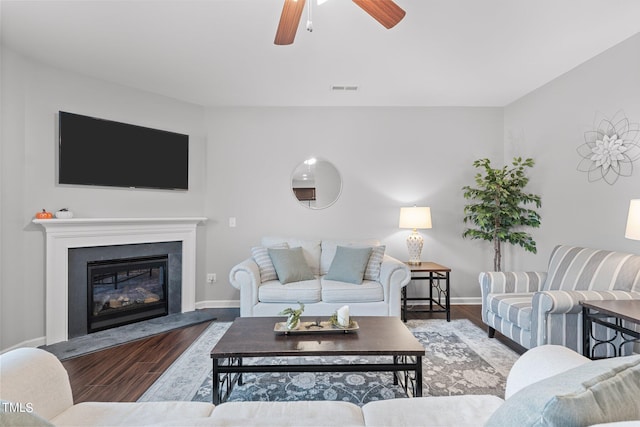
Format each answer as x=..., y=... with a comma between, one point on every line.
x=385, y=12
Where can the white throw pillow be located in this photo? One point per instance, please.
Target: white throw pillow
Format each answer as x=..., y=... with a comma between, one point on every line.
x=372, y=271
x=261, y=256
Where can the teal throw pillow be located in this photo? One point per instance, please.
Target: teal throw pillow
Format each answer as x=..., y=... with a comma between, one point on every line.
x=597, y=392
x=290, y=265
x=349, y=264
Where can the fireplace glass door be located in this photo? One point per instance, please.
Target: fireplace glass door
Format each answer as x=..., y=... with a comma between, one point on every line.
x=124, y=291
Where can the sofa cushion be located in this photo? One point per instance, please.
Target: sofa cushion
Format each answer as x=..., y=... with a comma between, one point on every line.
x=349, y=264
x=310, y=249
x=329, y=248
x=343, y=292
x=516, y=308
x=283, y=414
x=306, y=291
x=458, y=411
x=374, y=264
x=260, y=255
x=131, y=413
x=596, y=392
x=290, y=265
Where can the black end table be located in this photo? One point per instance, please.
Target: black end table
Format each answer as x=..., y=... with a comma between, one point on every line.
x=434, y=274
x=602, y=313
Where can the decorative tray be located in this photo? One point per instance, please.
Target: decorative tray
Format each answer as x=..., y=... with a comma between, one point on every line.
x=315, y=327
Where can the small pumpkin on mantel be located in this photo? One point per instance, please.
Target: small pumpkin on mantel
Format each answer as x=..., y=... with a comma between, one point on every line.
x=44, y=214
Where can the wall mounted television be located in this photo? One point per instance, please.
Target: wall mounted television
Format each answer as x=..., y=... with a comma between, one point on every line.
x=100, y=152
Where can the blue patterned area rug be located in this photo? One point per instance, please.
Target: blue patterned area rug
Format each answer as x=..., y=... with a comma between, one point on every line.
x=459, y=359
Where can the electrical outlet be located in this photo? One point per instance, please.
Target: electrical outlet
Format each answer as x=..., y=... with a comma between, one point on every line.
x=212, y=278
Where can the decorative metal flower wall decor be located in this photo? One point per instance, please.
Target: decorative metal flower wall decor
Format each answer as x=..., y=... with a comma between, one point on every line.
x=610, y=148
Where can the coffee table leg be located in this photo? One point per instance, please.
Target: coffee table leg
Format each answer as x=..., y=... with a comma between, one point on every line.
x=418, y=391
x=395, y=373
x=215, y=385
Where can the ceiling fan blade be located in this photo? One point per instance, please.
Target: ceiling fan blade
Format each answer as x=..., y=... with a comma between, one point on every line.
x=289, y=20
x=385, y=12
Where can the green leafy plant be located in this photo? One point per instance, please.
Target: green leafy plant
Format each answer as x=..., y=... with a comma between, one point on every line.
x=293, y=316
x=499, y=208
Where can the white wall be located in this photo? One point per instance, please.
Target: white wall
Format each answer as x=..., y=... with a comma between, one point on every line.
x=549, y=125
x=388, y=158
x=32, y=94
x=242, y=159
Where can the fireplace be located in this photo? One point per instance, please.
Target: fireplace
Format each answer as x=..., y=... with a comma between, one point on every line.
x=115, y=285
x=64, y=236
x=127, y=290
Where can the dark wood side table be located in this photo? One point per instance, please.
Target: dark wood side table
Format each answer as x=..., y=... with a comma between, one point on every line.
x=434, y=274
x=601, y=313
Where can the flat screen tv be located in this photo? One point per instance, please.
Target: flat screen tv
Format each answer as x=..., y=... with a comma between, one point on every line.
x=101, y=152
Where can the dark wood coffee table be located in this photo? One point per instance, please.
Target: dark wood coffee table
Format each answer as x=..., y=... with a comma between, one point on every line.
x=377, y=336
x=600, y=312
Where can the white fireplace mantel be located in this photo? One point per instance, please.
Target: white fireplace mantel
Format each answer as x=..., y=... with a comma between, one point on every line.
x=63, y=234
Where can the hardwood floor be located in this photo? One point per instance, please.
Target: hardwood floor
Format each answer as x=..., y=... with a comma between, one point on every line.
x=123, y=373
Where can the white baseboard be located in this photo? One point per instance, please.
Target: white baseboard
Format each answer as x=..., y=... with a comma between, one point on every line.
x=466, y=301
x=218, y=304
x=35, y=342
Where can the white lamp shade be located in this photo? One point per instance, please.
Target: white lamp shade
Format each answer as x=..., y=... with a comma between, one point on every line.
x=633, y=221
x=415, y=217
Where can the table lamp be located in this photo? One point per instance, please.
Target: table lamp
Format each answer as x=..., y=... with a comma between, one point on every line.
x=415, y=218
x=633, y=220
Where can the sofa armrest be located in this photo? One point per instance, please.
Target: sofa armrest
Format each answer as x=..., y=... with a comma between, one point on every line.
x=556, y=303
x=506, y=282
x=36, y=377
x=516, y=282
x=564, y=302
x=394, y=275
x=539, y=363
x=245, y=276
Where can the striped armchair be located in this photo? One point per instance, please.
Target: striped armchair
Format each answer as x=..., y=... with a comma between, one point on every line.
x=536, y=308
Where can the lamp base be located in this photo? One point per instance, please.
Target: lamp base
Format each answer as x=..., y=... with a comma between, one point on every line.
x=415, y=242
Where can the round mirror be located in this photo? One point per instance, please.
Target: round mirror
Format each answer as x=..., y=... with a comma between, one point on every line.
x=316, y=183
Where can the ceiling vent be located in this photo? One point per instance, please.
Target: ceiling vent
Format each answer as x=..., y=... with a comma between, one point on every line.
x=344, y=88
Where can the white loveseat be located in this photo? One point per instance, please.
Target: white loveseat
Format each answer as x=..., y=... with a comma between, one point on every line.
x=263, y=293
x=547, y=386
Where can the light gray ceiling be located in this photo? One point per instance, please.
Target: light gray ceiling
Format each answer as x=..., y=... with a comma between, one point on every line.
x=221, y=52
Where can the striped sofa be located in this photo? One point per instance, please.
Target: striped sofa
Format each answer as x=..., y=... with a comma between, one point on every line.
x=536, y=308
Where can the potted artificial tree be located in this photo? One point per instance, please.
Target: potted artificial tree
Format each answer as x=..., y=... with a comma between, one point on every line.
x=499, y=207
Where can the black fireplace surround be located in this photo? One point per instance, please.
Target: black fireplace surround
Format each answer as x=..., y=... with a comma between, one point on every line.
x=163, y=262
